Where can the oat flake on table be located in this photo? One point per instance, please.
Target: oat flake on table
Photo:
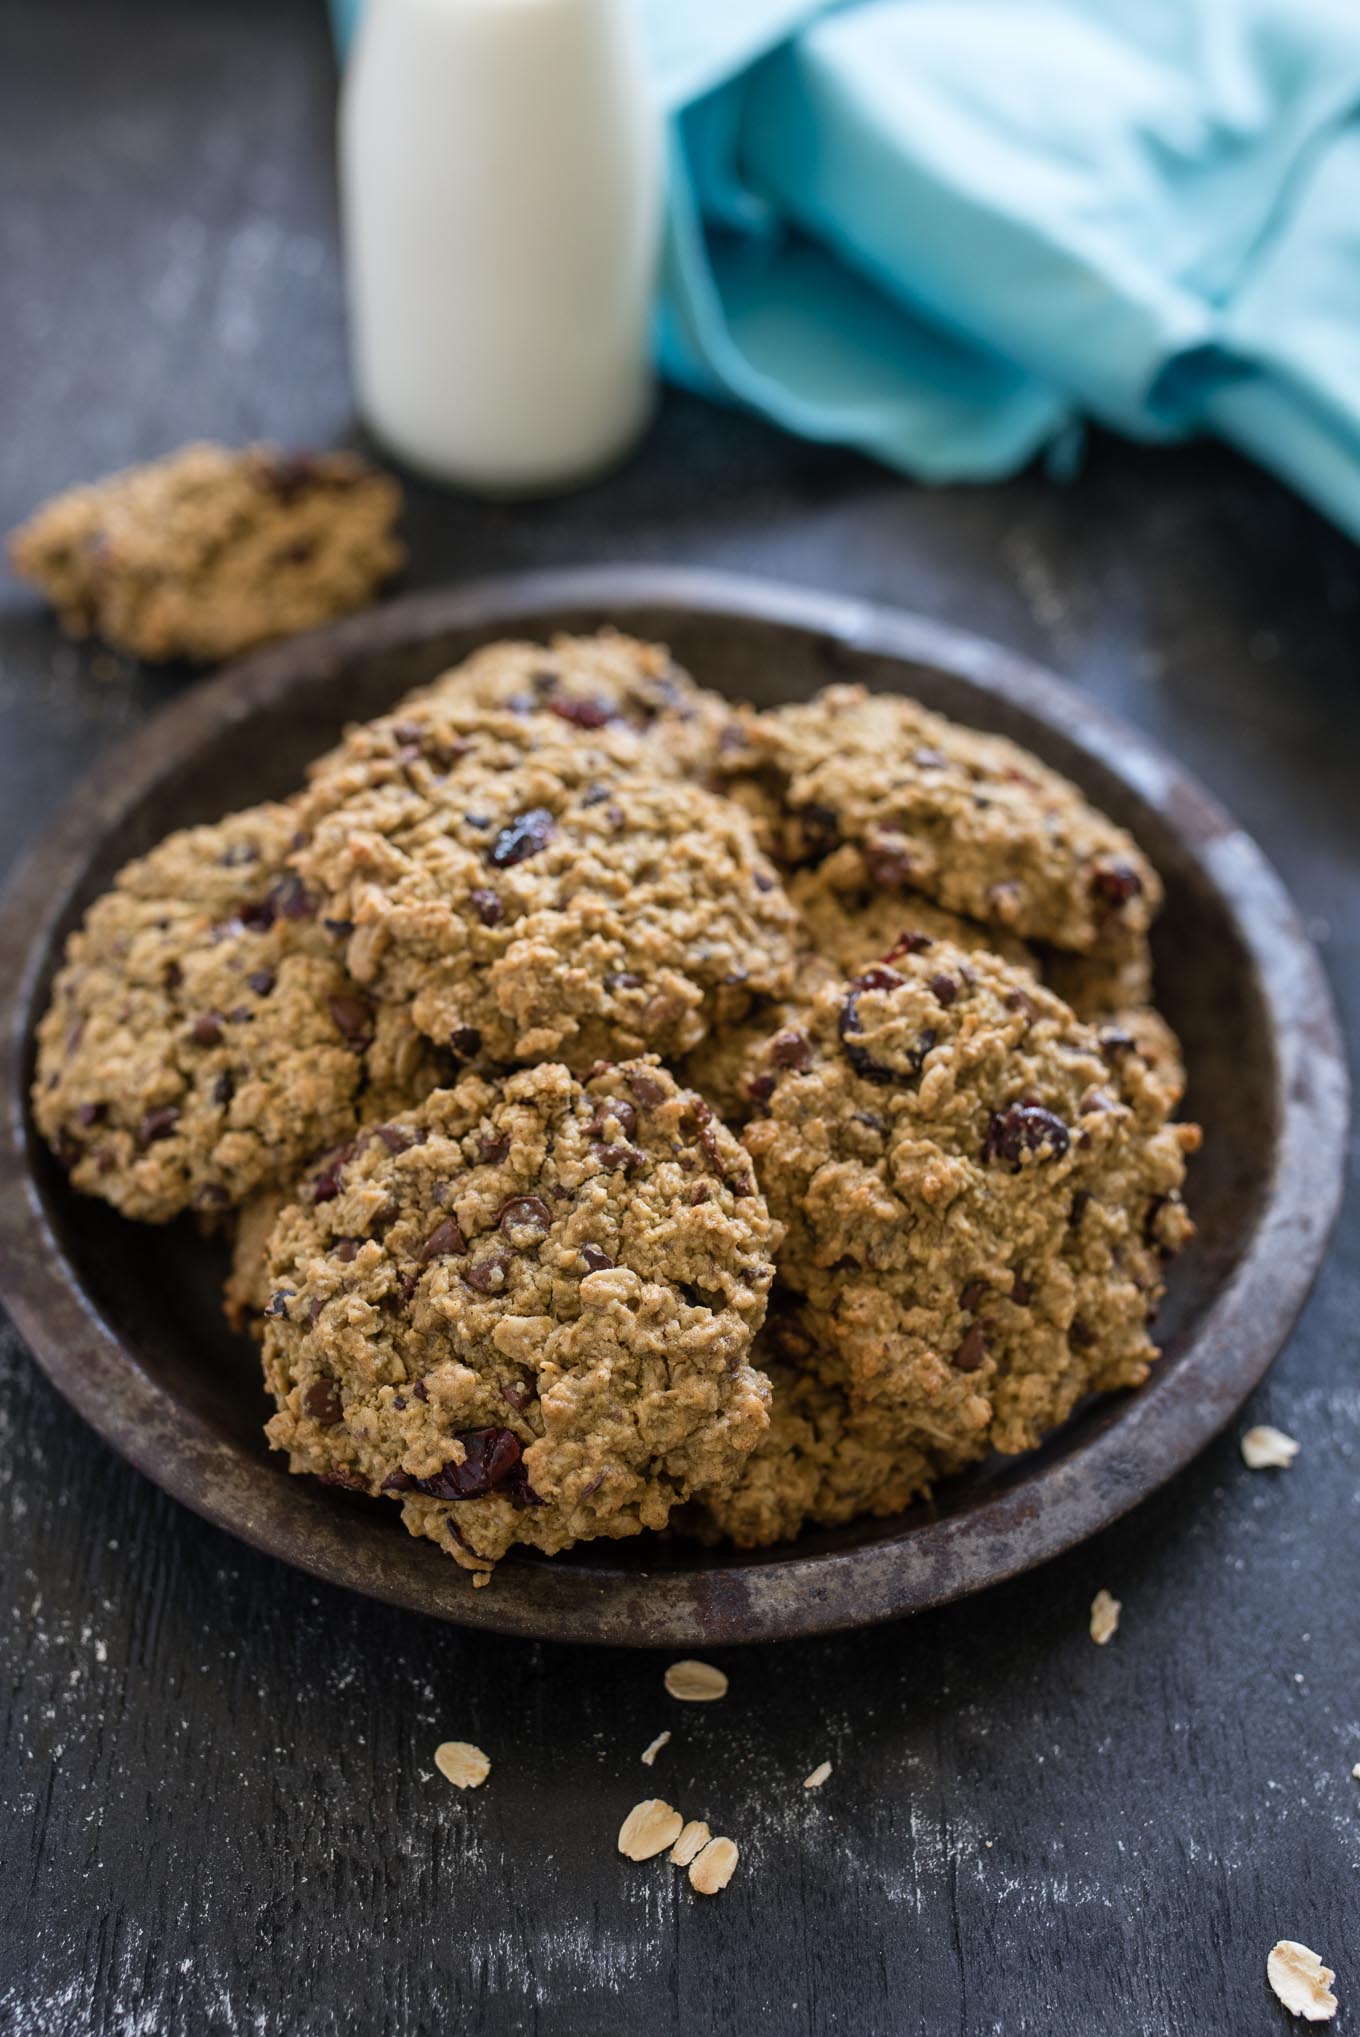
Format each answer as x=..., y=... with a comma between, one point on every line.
x=692, y=1840
x=649, y=1829
x=695, y=1683
x=714, y=1867
x=1301, y=1981
x=650, y=1752
x=819, y=1775
x=1267, y=1449
x=1105, y=1611
x=462, y=1764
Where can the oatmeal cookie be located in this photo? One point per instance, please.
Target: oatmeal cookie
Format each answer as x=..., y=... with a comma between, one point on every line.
x=525, y=1309
x=978, y=1197
x=972, y=821
x=590, y=683
x=1116, y=997
x=203, y=1036
x=210, y=551
x=530, y=897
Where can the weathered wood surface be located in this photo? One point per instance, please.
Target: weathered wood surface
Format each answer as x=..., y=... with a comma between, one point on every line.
x=220, y=1808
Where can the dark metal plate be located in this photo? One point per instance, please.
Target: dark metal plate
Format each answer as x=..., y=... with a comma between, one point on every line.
x=124, y=1319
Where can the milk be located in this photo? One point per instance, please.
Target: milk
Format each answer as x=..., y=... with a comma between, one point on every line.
x=500, y=196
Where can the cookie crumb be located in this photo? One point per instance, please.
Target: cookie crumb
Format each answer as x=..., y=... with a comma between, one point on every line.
x=1356, y=1771
x=1267, y=1449
x=1105, y=1612
x=649, y=1829
x=714, y=1867
x=692, y=1840
x=818, y=1776
x=695, y=1683
x=462, y=1764
x=1301, y=1981
x=650, y=1753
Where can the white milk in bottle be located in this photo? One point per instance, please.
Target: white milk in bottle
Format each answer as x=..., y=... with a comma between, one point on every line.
x=500, y=192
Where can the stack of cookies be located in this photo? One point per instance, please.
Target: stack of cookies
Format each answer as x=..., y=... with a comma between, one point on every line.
x=633, y=1111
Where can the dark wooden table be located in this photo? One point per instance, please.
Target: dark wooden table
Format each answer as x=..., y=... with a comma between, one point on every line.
x=219, y=1807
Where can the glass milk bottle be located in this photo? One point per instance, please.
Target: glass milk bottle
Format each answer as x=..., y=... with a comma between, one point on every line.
x=500, y=193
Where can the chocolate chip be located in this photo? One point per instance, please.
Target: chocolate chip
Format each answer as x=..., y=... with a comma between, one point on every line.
x=945, y=989
x=1080, y=1202
x=487, y=907
x=326, y=1185
x=88, y=1114
x=1025, y=1127
x=341, y=928
x=1020, y=1290
x=444, y=1240
x=1115, y=1043
x=420, y=1391
x=972, y=1352
x=353, y=1018
x=622, y=979
x=290, y=899
x=346, y=1250
x=584, y=714
x=277, y=1304
x=700, y=1193
x=465, y=1041
x=1116, y=882
x=516, y=1394
x=224, y=1089
x=1020, y=1000
x=974, y=1292
x=321, y=1400
x=492, y=1151
x=174, y=976
x=820, y=828
x=1081, y=1336
x=760, y=1088
x=524, y=1213
x=526, y=835
x=791, y=1049
x=764, y=881
x=888, y=861
x=594, y=795
x=206, y=1030
x=618, y=1159
x=596, y=1260
x=488, y=1275
x=67, y=1147
x=492, y=1461
x=395, y=1137
x=261, y=981
x=257, y=917
x=648, y=1091
x=157, y=1124
x=617, y=1108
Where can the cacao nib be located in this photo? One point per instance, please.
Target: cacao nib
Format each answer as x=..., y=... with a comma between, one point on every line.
x=1080, y=1202
x=465, y=1041
x=972, y=1352
x=353, y=1018
x=1020, y=1000
x=487, y=906
x=525, y=1213
x=596, y=1260
x=1115, y=1042
x=322, y=1402
x=1025, y=1127
x=594, y=795
x=157, y=1124
x=206, y=1030
x=261, y=981
x=1021, y=1290
x=444, y=1240
x=974, y=1292
x=174, y=976
x=67, y=1147
x=341, y=928
x=526, y=835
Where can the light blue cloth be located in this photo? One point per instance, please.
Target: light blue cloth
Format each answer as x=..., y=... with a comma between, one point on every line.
x=946, y=231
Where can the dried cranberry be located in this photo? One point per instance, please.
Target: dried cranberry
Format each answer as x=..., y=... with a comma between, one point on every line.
x=261, y=981
x=700, y=1193
x=791, y=1049
x=157, y=1124
x=596, y=1260
x=1116, y=882
x=860, y=1059
x=465, y=1041
x=322, y=1402
x=584, y=714
x=911, y=941
x=516, y=1394
x=972, y=1352
x=353, y=1018
x=760, y=1088
x=879, y=977
x=444, y=1239
x=488, y=1275
x=648, y=1091
x=206, y=1030
x=526, y=835
x=945, y=989
x=257, y=917
x=526, y=1213
x=492, y=1461
x=888, y=860
x=487, y=906
x=1025, y=1127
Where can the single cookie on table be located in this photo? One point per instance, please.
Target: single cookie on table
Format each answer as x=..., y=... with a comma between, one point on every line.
x=533, y=897
x=979, y=1199
x=203, y=1036
x=970, y=820
x=525, y=1309
x=821, y=1463
x=604, y=681
x=210, y=551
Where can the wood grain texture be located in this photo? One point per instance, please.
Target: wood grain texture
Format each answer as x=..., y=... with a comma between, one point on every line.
x=221, y=1810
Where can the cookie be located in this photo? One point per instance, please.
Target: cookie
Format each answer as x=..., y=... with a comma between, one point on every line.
x=972, y=821
x=589, y=683
x=532, y=897
x=210, y=551
x=525, y=1310
x=1115, y=996
x=820, y=1463
x=204, y=1037
x=978, y=1199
